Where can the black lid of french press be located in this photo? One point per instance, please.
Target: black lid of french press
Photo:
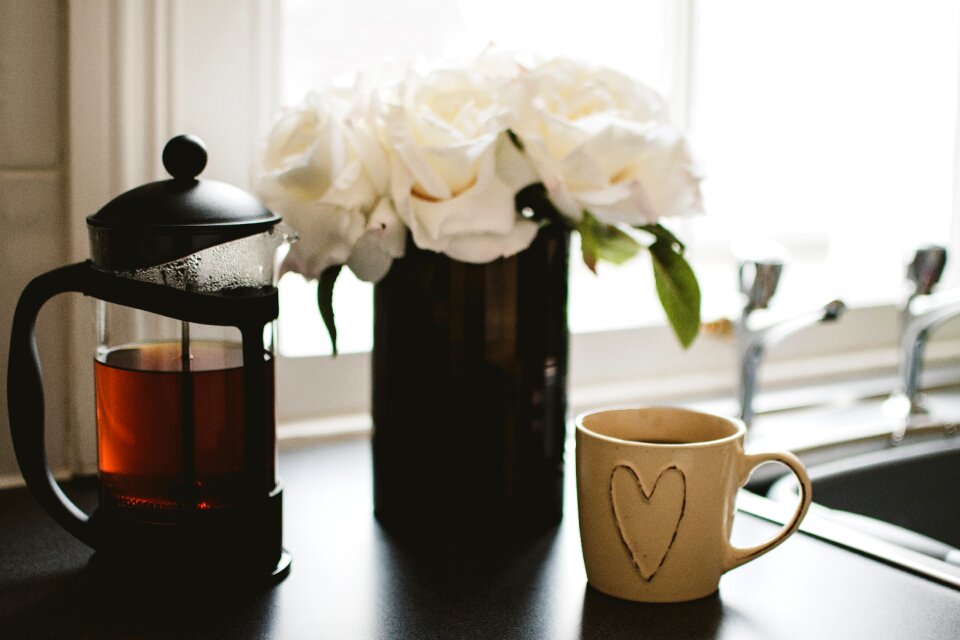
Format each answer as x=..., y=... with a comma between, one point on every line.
x=166, y=220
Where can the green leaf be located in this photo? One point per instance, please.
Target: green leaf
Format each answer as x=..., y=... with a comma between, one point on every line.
x=599, y=241
x=677, y=288
x=662, y=233
x=325, y=301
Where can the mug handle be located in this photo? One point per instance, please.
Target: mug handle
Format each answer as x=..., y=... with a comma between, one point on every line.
x=736, y=556
x=25, y=402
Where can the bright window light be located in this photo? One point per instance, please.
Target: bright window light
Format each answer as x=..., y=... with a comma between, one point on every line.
x=827, y=125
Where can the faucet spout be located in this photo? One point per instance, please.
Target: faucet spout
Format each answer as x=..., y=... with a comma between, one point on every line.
x=923, y=314
x=752, y=342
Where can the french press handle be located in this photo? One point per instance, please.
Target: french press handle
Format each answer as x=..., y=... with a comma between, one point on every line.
x=25, y=402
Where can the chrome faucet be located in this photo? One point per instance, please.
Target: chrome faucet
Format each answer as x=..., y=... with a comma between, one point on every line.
x=759, y=276
x=922, y=312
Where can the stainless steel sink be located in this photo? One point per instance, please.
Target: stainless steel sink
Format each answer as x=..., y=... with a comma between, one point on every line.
x=895, y=503
x=911, y=486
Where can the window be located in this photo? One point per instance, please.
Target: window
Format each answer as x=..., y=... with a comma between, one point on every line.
x=827, y=126
x=831, y=127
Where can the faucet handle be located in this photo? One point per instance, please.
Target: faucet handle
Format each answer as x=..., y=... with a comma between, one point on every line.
x=926, y=268
x=760, y=266
x=833, y=310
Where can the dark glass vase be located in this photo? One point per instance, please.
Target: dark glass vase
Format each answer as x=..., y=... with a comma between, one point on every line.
x=469, y=392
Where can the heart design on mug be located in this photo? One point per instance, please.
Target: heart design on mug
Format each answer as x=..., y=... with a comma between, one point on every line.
x=648, y=521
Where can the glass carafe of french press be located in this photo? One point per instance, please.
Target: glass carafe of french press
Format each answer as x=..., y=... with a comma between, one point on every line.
x=183, y=276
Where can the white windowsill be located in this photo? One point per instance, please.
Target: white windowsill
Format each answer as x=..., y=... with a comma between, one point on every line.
x=785, y=385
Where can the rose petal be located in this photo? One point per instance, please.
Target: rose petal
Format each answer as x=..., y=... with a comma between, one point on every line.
x=384, y=239
x=486, y=247
x=363, y=137
x=292, y=135
x=369, y=262
x=626, y=203
x=486, y=208
x=513, y=167
x=403, y=147
x=457, y=165
x=663, y=180
x=352, y=189
x=390, y=230
x=327, y=235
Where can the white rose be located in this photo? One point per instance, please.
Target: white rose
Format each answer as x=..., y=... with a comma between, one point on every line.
x=454, y=170
x=602, y=142
x=325, y=173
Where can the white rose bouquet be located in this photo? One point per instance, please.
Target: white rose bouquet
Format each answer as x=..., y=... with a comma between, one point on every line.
x=472, y=161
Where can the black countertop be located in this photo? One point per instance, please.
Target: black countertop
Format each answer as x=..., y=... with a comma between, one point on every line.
x=350, y=579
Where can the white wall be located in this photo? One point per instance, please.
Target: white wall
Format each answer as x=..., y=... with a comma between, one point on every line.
x=33, y=213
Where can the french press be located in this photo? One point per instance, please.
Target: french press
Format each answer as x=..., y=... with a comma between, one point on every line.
x=183, y=276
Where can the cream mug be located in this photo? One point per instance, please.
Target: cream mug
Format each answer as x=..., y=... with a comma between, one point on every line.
x=656, y=489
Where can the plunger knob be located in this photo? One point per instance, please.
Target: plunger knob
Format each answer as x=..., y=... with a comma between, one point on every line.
x=184, y=157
